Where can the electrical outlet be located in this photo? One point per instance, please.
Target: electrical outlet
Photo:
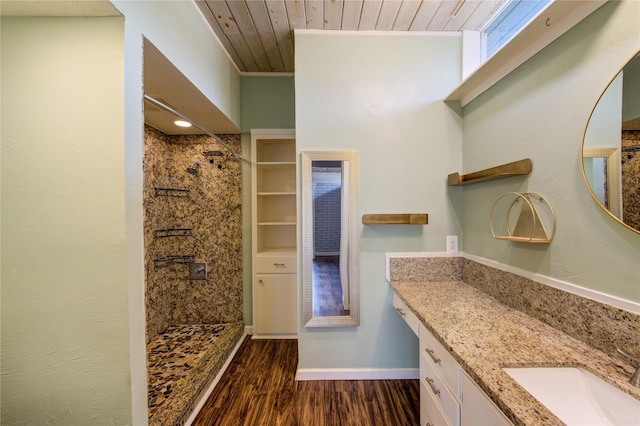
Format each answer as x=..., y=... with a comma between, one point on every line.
x=198, y=271
x=452, y=243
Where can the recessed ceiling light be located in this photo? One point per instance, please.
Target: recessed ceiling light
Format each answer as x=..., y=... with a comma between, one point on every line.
x=182, y=123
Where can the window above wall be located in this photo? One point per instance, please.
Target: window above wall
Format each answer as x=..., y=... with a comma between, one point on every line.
x=546, y=25
x=514, y=16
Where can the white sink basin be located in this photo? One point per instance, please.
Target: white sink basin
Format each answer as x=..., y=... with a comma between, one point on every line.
x=578, y=397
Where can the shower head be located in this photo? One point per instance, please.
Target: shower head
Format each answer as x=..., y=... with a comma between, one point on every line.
x=194, y=169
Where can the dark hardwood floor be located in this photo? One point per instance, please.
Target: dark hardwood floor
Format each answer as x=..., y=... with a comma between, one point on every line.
x=327, y=287
x=259, y=388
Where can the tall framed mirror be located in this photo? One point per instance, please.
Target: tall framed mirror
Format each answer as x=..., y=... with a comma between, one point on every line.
x=330, y=239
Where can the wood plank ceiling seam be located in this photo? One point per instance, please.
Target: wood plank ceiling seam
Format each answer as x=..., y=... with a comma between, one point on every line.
x=258, y=34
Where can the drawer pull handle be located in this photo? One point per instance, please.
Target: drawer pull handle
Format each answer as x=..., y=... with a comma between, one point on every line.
x=433, y=356
x=401, y=312
x=279, y=265
x=435, y=390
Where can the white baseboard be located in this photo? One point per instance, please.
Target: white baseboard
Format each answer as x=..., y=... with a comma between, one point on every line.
x=304, y=374
x=214, y=382
x=248, y=329
x=274, y=336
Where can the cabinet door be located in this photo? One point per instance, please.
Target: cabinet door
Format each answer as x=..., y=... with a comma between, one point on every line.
x=477, y=408
x=276, y=301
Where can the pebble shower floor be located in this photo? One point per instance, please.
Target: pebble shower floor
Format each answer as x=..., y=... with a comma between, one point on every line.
x=180, y=361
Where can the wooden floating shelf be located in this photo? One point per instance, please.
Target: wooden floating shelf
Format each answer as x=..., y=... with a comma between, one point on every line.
x=520, y=167
x=396, y=219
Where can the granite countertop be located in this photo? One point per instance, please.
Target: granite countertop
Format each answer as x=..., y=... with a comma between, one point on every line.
x=484, y=336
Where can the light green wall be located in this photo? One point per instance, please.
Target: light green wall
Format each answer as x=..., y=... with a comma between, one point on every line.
x=180, y=32
x=381, y=96
x=65, y=325
x=267, y=102
x=87, y=362
x=605, y=123
x=540, y=111
x=631, y=102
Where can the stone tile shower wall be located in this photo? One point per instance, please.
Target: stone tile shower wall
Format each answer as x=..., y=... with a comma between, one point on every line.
x=631, y=178
x=212, y=208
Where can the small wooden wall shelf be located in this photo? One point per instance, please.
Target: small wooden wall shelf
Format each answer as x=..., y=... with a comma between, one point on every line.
x=520, y=167
x=396, y=219
x=524, y=217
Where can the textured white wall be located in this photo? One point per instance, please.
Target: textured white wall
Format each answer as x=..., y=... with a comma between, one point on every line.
x=381, y=96
x=541, y=111
x=65, y=344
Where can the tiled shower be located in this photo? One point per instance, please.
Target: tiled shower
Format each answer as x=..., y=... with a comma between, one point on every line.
x=193, y=265
x=631, y=177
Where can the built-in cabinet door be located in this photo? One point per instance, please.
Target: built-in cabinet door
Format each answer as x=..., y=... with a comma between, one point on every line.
x=477, y=408
x=274, y=238
x=276, y=304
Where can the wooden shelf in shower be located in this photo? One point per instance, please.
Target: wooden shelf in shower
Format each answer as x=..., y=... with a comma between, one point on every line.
x=520, y=167
x=396, y=219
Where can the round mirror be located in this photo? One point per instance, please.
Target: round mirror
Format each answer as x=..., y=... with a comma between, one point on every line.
x=611, y=147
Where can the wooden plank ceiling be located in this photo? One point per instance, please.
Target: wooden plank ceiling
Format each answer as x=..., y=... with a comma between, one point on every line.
x=258, y=34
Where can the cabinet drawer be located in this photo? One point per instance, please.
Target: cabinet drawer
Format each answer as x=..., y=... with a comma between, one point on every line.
x=430, y=412
x=276, y=264
x=439, y=391
x=406, y=314
x=441, y=360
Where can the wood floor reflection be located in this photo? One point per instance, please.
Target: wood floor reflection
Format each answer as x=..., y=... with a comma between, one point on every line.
x=327, y=287
x=259, y=388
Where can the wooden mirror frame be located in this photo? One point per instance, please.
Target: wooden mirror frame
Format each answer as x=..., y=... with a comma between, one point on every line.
x=352, y=240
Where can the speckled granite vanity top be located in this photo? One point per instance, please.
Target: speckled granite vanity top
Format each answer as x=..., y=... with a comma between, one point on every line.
x=484, y=336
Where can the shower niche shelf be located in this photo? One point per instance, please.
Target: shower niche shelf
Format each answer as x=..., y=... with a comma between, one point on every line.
x=174, y=259
x=524, y=217
x=171, y=192
x=172, y=232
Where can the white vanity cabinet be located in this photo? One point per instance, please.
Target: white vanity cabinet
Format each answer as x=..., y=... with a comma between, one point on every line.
x=477, y=408
x=274, y=255
x=407, y=315
x=439, y=382
x=448, y=396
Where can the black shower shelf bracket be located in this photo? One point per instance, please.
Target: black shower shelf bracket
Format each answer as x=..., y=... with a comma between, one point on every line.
x=172, y=232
